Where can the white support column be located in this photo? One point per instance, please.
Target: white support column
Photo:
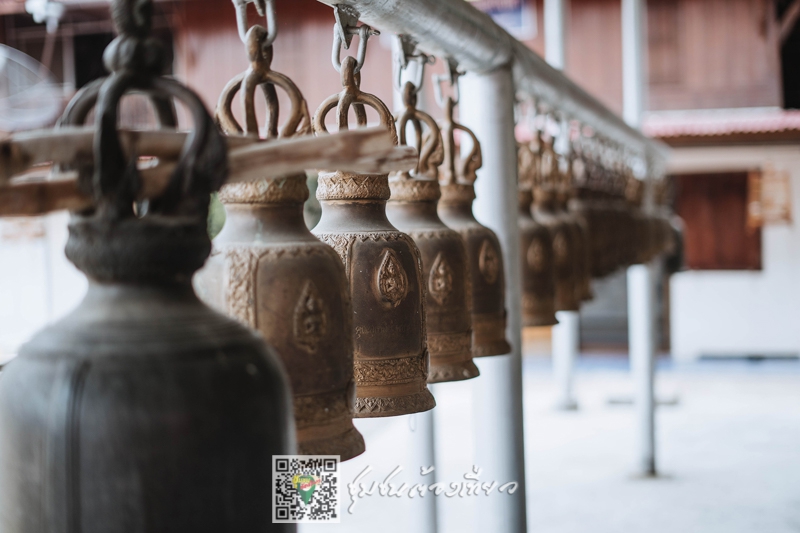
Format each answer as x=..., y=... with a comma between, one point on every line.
x=641, y=335
x=555, y=25
x=487, y=107
x=633, y=61
x=641, y=290
x=566, y=340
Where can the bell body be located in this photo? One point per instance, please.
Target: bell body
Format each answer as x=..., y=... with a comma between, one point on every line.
x=583, y=281
x=485, y=267
x=412, y=209
x=270, y=273
x=538, y=275
x=564, y=250
x=143, y=410
x=383, y=267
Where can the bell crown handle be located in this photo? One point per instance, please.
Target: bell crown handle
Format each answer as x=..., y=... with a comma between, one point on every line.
x=260, y=74
x=352, y=96
x=458, y=168
x=136, y=62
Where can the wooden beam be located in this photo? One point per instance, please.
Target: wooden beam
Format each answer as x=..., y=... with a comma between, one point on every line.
x=368, y=150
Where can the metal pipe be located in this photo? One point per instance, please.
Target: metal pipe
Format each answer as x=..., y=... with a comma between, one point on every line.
x=642, y=347
x=453, y=28
x=566, y=343
x=487, y=107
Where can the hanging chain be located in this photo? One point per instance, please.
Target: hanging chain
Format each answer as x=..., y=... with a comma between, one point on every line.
x=258, y=42
x=265, y=8
x=343, y=32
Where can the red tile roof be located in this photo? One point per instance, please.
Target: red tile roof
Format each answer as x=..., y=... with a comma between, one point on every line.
x=720, y=122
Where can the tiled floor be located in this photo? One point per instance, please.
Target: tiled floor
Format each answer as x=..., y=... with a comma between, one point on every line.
x=728, y=452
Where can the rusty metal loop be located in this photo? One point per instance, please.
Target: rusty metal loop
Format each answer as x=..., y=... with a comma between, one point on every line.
x=364, y=32
x=429, y=147
x=260, y=74
x=458, y=168
x=265, y=8
x=351, y=95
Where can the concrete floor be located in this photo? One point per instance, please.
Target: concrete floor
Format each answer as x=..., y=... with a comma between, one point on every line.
x=728, y=452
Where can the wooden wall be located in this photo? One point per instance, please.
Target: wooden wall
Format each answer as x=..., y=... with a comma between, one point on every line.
x=713, y=54
x=208, y=51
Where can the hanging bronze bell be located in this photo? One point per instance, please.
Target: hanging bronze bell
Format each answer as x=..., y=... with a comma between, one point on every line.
x=383, y=266
x=412, y=209
x=485, y=257
x=536, y=250
x=142, y=410
x=268, y=271
x=580, y=227
x=546, y=212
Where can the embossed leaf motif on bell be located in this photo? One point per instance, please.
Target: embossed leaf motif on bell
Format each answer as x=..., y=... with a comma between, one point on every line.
x=271, y=273
x=382, y=264
x=142, y=409
x=391, y=280
x=484, y=257
x=536, y=248
x=412, y=208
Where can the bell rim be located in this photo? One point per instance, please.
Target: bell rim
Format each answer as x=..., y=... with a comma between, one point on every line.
x=387, y=406
x=450, y=372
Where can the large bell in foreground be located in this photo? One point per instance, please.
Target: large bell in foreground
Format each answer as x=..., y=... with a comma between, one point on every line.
x=412, y=208
x=384, y=268
x=269, y=272
x=143, y=409
x=483, y=249
x=547, y=211
x=536, y=251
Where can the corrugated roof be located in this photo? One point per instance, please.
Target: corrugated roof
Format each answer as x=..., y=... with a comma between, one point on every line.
x=720, y=122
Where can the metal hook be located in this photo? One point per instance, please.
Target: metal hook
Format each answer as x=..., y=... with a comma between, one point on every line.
x=451, y=76
x=405, y=54
x=265, y=8
x=364, y=32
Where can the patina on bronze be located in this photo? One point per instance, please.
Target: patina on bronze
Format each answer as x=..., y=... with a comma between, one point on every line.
x=483, y=249
x=583, y=273
x=142, y=410
x=412, y=209
x=536, y=250
x=270, y=273
x=382, y=264
x=546, y=210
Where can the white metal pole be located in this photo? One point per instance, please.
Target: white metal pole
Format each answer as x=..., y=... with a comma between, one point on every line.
x=633, y=61
x=641, y=289
x=641, y=326
x=566, y=336
x=487, y=107
x=555, y=45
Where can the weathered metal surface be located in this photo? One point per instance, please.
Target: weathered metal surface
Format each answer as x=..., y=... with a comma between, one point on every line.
x=383, y=266
x=445, y=268
x=142, y=410
x=483, y=249
x=270, y=273
x=536, y=250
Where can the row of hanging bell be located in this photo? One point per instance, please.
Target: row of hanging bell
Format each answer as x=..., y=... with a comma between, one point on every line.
x=413, y=209
x=536, y=250
x=269, y=272
x=484, y=256
x=382, y=264
x=142, y=409
x=548, y=211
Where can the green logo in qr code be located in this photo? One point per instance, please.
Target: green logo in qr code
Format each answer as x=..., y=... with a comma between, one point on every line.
x=305, y=488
